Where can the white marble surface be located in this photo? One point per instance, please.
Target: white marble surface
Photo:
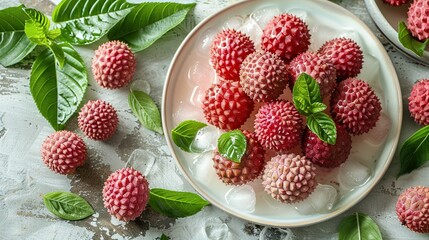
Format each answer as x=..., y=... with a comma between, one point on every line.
x=24, y=178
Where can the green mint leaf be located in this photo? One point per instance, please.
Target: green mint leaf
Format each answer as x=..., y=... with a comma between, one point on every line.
x=83, y=22
x=232, y=145
x=164, y=237
x=184, y=133
x=37, y=27
x=58, y=91
x=306, y=91
x=409, y=42
x=323, y=126
x=148, y=22
x=357, y=227
x=414, y=152
x=145, y=109
x=54, y=33
x=58, y=53
x=175, y=204
x=14, y=43
x=318, y=107
x=67, y=206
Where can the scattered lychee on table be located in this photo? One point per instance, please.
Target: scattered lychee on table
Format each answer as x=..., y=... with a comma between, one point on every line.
x=412, y=209
x=418, y=102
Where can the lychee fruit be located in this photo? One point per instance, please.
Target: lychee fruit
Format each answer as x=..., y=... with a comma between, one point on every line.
x=126, y=194
x=278, y=126
x=418, y=102
x=395, y=2
x=98, y=120
x=324, y=154
x=418, y=19
x=228, y=50
x=412, y=209
x=345, y=54
x=226, y=105
x=113, y=65
x=355, y=106
x=287, y=36
x=263, y=76
x=322, y=70
x=250, y=167
x=289, y=178
x=63, y=152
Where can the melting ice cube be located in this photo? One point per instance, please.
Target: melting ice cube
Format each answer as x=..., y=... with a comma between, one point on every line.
x=206, y=139
x=353, y=174
x=298, y=12
x=252, y=29
x=140, y=85
x=241, y=197
x=215, y=229
x=264, y=15
x=197, y=96
x=205, y=40
x=233, y=23
x=142, y=161
x=201, y=73
x=321, y=200
x=202, y=167
x=269, y=233
x=370, y=70
x=378, y=134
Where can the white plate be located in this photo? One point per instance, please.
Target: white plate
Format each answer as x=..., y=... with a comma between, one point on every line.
x=387, y=18
x=190, y=74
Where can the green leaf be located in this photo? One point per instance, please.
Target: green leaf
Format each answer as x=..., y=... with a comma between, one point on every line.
x=317, y=107
x=149, y=21
x=14, y=44
x=359, y=226
x=408, y=41
x=323, y=126
x=86, y=21
x=58, y=53
x=67, y=206
x=232, y=145
x=54, y=33
x=175, y=204
x=37, y=27
x=164, y=237
x=306, y=92
x=58, y=91
x=184, y=133
x=145, y=109
x=414, y=151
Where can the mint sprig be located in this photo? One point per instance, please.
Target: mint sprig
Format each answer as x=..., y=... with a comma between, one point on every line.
x=308, y=102
x=232, y=145
x=409, y=42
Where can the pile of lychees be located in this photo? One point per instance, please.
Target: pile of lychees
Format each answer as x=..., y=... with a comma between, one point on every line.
x=126, y=191
x=252, y=77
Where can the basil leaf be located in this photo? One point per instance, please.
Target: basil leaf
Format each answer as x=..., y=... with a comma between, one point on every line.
x=306, y=91
x=323, y=126
x=164, y=237
x=414, y=151
x=175, y=204
x=232, y=145
x=58, y=91
x=149, y=21
x=67, y=206
x=145, y=109
x=37, y=27
x=14, y=44
x=358, y=226
x=184, y=133
x=318, y=107
x=408, y=41
x=58, y=53
x=86, y=21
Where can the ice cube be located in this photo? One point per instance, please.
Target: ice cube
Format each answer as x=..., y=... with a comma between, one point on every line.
x=206, y=139
x=201, y=74
x=269, y=233
x=353, y=174
x=202, y=167
x=140, y=85
x=321, y=34
x=252, y=29
x=186, y=111
x=216, y=229
x=241, y=197
x=378, y=134
x=197, y=96
x=264, y=15
x=299, y=12
x=320, y=201
x=141, y=160
x=205, y=40
x=371, y=71
x=234, y=23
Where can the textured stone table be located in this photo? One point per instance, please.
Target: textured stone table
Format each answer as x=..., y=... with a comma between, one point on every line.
x=24, y=178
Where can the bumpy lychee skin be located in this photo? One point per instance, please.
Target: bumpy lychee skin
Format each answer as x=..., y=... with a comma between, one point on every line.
x=324, y=154
x=63, y=152
x=395, y=2
x=113, y=65
x=226, y=105
x=278, y=126
x=250, y=167
x=345, y=54
x=418, y=19
x=228, y=50
x=322, y=70
x=418, y=102
x=126, y=194
x=98, y=120
x=263, y=76
x=355, y=106
x=412, y=209
x=287, y=36
x=289, y=178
